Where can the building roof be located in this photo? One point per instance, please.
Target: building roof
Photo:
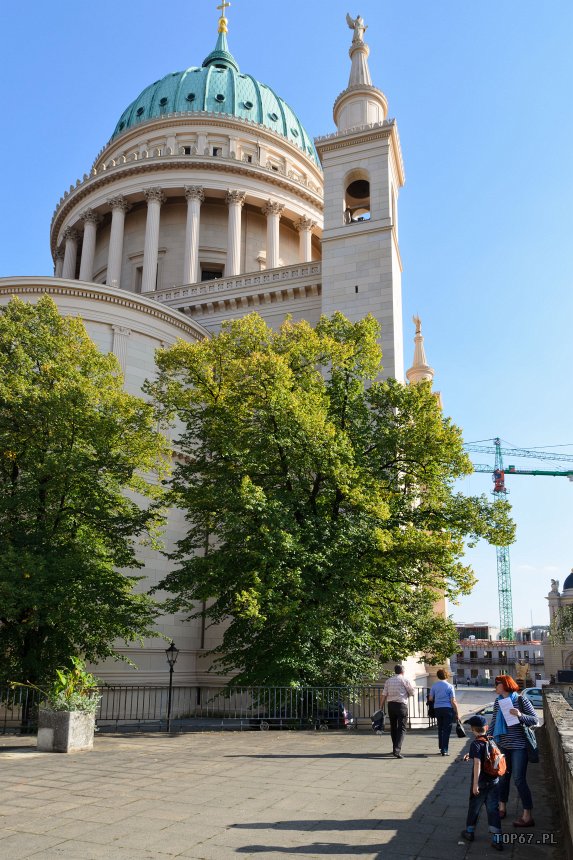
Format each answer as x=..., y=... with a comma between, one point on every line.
x=568, y=582
x=218, y=87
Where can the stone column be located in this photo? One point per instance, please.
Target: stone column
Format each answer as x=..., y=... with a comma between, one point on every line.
x=59, y=263
x=305, y=227
x=91, y=219
x=71, y=237
x=119, y=206
x=194, y=196
x=155, y=198
x=273, y=211
x=235, y=201
x=119, y=348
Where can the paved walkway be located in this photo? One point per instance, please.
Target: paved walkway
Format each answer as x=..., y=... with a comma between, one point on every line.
x=250, y=794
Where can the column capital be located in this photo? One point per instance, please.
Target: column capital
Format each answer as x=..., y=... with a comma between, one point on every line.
x=90, y=216
x=119, y=202
x=71, y=233
x=236, y=198
x=154, y=194
x=121, y=330
x=271, y=207
x=194, y=192
x=304, y=223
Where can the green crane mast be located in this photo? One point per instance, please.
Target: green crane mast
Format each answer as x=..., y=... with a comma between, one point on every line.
x=500, y=492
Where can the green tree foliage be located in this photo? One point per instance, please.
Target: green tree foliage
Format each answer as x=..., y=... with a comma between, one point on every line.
x=72, y=444
x=323, y=523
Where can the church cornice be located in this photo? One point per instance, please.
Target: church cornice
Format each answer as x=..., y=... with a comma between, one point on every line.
x=84, y=189
x=78, y=289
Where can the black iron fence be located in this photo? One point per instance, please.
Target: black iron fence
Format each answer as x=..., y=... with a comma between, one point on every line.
x=143, y=708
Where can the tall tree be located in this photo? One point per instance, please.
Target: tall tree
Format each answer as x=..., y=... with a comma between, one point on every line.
x=323, y=522
x=77, y=456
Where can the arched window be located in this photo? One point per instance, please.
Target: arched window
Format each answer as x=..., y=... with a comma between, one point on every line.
x=357, y=197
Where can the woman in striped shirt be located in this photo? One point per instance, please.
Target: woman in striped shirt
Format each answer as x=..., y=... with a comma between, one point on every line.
x=511, y=741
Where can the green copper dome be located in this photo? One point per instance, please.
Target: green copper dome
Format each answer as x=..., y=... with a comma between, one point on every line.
x=218, y=87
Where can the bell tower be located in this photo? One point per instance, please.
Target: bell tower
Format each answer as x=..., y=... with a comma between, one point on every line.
x=363, y=174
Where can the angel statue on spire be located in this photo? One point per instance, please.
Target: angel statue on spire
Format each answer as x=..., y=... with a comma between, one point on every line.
x=357, y=24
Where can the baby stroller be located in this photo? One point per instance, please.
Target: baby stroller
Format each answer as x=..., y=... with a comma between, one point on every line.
x=378, y=722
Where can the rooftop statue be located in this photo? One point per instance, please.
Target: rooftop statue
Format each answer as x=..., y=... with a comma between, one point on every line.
x=418, y=323
x=555, y=586
x=357, y=24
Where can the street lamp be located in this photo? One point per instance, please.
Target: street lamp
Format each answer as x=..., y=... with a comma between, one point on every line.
x=171, y=653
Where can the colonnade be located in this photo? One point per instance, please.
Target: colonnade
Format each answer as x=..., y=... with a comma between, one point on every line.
x=66, y=258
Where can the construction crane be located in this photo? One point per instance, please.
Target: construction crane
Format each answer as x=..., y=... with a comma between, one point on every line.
x=500, y=491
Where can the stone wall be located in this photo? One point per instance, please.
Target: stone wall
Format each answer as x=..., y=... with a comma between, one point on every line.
x=558, y=718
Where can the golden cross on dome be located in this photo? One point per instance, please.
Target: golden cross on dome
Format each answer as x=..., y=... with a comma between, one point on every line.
x=222, y=20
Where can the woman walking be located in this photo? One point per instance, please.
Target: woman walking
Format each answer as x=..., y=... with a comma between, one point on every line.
x=443, y=697
x=513, y=744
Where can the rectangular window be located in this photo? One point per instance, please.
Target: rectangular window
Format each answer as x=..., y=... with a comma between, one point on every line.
x=475, y=673
x=217, y=151
x=211, y=273
x=473, y=655
x=186, y=150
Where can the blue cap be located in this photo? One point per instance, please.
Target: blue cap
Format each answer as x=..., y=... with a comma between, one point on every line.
x=477, y=721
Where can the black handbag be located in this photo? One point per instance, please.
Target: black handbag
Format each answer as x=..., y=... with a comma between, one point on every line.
x=460, y=731
x=430, y=707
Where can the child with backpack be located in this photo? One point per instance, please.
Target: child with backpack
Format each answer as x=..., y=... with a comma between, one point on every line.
x=488, y=766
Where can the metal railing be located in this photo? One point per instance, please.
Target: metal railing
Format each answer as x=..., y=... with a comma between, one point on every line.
x=145, y=708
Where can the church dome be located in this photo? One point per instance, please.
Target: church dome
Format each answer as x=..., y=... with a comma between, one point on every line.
x=218, y=87
x=568, y=582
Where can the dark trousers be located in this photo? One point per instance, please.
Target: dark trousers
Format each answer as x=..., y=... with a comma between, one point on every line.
x=445, y=719
x=517, y=765
x=398, y=716
x=488, y=794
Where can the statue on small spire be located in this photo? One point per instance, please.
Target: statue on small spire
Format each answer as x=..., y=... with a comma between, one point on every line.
x=418, y=323
x=222, y=19
x=357, y=24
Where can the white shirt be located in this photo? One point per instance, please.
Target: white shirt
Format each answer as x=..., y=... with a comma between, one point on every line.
x=397, y=689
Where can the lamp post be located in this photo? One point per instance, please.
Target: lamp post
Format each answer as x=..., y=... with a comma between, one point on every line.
x=171, y=653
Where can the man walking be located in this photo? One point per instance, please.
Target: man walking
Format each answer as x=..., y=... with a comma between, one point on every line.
x=396, y=692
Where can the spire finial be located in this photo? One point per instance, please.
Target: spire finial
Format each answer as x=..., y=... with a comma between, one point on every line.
x=223, y=20
x=420, y=370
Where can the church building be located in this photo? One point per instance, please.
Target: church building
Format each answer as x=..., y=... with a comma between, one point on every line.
x=209, y=201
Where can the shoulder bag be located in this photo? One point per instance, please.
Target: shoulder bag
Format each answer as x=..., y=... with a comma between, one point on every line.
x=530, y=740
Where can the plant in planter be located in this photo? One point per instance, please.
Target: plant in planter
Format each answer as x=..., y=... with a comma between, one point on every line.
x=66, y=719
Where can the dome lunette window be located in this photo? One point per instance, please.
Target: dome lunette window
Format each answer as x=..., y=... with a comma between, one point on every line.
x=294, y=131
x=121, y=125
x=220, y=97
x=248, y=105
x=163, y=101
x=273, y=116
x=139, y=111
x=190, y=97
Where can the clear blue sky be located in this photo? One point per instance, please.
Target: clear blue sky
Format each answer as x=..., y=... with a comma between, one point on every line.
x=482, y=95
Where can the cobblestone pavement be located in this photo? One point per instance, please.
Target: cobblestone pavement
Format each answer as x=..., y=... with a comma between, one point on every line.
x=252, y=794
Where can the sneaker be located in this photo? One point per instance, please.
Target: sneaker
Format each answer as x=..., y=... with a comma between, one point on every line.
x=469, y=837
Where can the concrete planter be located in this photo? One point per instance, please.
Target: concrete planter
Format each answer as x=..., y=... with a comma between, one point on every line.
x=65, y=731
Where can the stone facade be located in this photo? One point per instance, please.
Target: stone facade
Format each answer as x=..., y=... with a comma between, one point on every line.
x=558, y=722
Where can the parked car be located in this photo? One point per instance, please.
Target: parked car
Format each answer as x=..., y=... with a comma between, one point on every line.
x=535, y=696
x=486, y=712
